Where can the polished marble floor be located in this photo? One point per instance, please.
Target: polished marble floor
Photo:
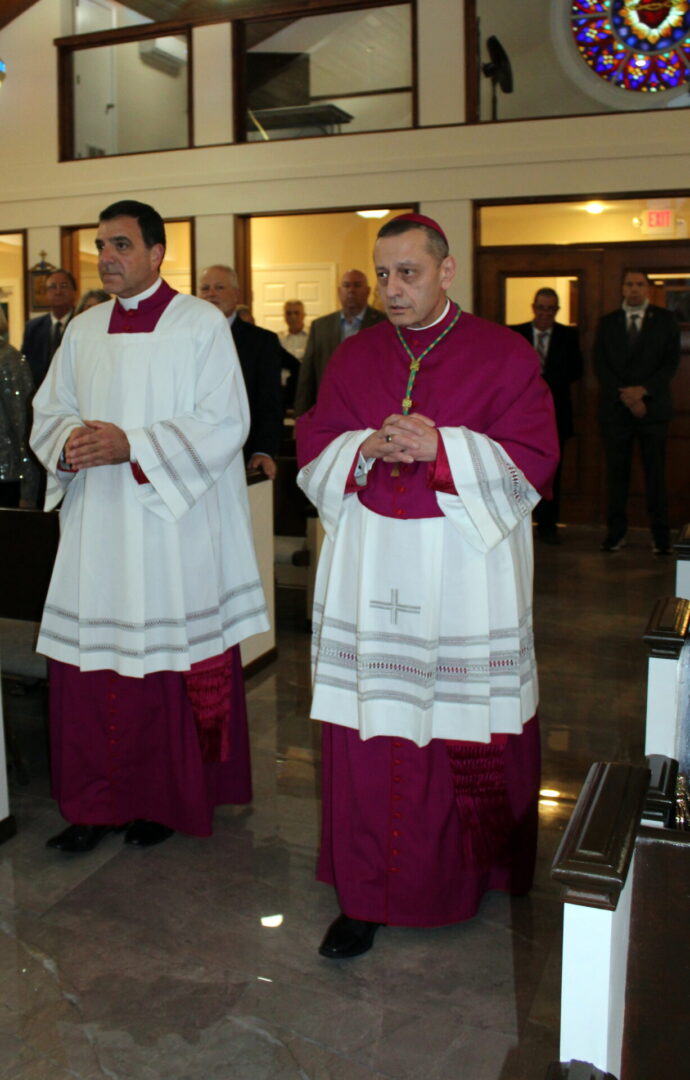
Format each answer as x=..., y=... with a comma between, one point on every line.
x=196, y=960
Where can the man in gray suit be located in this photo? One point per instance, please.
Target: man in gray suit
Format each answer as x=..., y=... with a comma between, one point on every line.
x=327, y=332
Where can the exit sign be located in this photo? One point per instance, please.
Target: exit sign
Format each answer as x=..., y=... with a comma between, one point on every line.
x=658, y=222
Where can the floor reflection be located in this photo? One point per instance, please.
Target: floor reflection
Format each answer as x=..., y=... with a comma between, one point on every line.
x=197, y=959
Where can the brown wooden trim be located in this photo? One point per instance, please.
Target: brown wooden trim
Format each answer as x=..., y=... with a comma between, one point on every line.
x=65, y=77
x=593, y=857
x=239, y=82
x=472, y=63
x=667, y=628
x=243, y=256
x=682, y=544
x=414, y=54
x=8, y=828
x=260, y=663
x=190, y=89
x=336, y=210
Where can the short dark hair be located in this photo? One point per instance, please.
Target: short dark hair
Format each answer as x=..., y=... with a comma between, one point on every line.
x=149, y=220
x=60, y=270
x=636, y=270
x=436, y=244
x=547, y=291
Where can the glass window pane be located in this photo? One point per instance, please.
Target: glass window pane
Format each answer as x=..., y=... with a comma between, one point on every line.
x=582, y=57
x=327, y=74
x=131, y=97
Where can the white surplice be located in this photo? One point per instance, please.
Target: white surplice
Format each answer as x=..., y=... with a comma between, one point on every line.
x=423, y=626
x=156, y=576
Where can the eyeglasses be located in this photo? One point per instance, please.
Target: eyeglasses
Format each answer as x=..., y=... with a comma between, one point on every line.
x=59, y=286
x=547, y=309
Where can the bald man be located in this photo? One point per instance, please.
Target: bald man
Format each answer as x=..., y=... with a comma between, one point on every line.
x=327, y=333
x=261, y=359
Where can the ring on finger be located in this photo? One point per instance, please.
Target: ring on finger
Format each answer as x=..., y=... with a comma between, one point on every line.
x=389, y=438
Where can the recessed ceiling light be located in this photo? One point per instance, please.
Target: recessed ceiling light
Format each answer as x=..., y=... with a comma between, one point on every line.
x=373, y=213
x=595, y=207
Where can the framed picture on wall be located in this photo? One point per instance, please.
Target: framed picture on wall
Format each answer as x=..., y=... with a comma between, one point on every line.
x=38, y=299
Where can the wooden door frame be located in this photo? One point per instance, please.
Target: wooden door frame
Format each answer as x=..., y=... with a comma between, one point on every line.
x=601, y=268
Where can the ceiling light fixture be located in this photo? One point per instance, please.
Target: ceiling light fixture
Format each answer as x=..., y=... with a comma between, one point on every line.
x=373, y=213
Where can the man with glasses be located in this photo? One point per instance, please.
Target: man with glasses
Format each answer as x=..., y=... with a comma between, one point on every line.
x=43, y=334
x=558, y=347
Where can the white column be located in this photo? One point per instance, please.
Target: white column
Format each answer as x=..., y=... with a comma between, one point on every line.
x=213, y=99
x=214, y=239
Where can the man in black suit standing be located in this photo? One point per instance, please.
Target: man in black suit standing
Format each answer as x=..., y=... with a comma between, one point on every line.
x=261, y=359
x=636, y=353
x=558, y=347
x=43, y=334
x=327, y=332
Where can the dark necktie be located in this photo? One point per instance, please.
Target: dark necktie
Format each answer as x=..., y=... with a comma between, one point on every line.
x=542, y=346
x=56, y=339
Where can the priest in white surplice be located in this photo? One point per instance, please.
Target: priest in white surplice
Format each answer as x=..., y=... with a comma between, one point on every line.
x=140, y=423
x=431, y=440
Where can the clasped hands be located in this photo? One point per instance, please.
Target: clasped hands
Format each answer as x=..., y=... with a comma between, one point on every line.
x=633, y=398
x=96, y=443
x=403, y=440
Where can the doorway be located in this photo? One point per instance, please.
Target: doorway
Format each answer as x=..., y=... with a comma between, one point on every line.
x=594, y=274
x=79, y=255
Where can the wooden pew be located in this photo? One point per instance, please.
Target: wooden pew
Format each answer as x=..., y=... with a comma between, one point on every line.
x=625, y=946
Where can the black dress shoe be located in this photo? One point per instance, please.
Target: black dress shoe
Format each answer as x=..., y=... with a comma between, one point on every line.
x=348, y=937
x=143, y=833
x=76, y=838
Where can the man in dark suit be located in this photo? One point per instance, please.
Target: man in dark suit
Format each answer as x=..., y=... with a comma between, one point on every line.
x=328, y=331
x=558, y=347
x=261, y=359
x=636, y=353
x=43, y=334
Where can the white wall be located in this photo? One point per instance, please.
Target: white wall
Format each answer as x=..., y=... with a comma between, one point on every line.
x=444, y=168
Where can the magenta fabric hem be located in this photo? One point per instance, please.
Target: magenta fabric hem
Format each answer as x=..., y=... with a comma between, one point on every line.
x=124, y=748
x=392, y=842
